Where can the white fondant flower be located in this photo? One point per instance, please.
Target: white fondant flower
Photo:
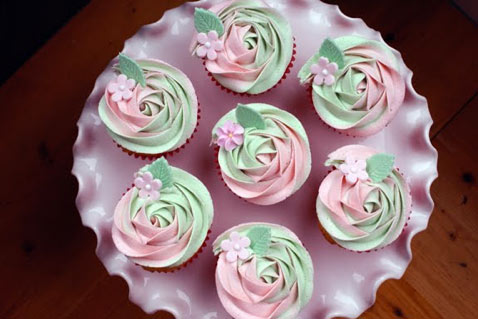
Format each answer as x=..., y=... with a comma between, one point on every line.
x=324, y=71
x=210, y=44
x=121, y=88
x=354, y=169
x=236, y=247
x=148, y=186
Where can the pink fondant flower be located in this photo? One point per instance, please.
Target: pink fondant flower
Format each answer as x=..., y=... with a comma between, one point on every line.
x=236, y=247
x=210, y=44
x=354, y=169
x=121, y=88
x=324, y=71
x=230, y=135
x=148, y=186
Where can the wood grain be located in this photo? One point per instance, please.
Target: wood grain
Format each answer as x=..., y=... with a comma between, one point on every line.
x=48, y=265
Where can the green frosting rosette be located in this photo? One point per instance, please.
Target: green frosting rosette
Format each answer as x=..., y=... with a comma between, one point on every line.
x=364, y=203
x=264, y=153
x=356, y=84
x=164, y=219
x=246, y=45
x=150, y=107
x=263, y=271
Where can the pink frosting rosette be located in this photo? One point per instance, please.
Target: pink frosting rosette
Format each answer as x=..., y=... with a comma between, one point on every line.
x=269, y=276
x=154, y=117
x=363, y=93
x=263, y=162
x=364, y=203
x=162, y=221
x=249, y=50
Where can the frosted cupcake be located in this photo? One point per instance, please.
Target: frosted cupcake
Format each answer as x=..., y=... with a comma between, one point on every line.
x=247, y=46
x=264, y=154
x=364, y=202
x=263, y=271
x=356, y=84
x=163, y=221
x=150, y=108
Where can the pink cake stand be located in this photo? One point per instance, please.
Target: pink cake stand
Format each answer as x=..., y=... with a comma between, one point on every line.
x=345, y=282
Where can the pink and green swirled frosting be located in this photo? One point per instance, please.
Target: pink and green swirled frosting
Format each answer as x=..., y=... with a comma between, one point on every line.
x=257, y=46
x=362, y=215
x=158, y=117
x=274, y=284
x=272, y=162
x=367, y=92
x=164, y=232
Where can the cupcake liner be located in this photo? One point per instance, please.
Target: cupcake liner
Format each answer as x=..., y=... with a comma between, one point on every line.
x=170, y=153
x=183, y=265
x=284, y=76
x=327, y=237
x=331, y=241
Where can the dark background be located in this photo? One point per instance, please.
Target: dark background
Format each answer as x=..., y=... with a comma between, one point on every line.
x=26, y=25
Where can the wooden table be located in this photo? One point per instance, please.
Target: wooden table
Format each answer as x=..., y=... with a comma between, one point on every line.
x=48, y=265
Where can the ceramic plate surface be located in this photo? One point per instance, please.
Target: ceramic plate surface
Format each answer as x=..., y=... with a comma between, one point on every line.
x=345, y=282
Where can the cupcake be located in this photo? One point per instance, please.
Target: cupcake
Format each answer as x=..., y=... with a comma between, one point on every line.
x=247, y=47
x=162, y=222
x=356, y=84
x=263, y=271
x=364, y=202
x=264, y=154
x=150, y=108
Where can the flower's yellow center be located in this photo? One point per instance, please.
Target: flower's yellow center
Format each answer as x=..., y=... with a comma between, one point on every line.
x=230, y=135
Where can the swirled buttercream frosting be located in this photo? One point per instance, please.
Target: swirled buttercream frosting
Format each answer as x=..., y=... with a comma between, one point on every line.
x=264, y=153
x=153, y=117
x=356, y=84
x=246, y=45
x=364, y=202
x=263, y=271
x=164, y=219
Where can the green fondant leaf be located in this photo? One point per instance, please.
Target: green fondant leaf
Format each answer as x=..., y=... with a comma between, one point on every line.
x=131, y=69
x=332, y=52
x=260, y=239
x=248, y=117
x=162, y=171
x=205, y=21
x=379, y=166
